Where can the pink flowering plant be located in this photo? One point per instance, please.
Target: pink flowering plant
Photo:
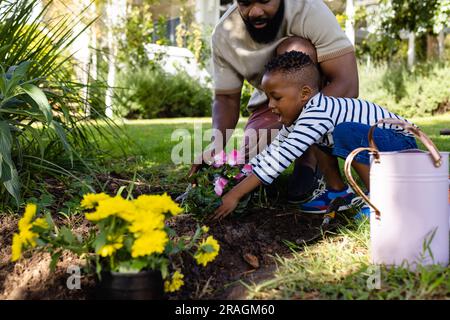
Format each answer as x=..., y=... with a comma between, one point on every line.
x=209, y=184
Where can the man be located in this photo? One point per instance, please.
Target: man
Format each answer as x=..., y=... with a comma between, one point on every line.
x=244, y=40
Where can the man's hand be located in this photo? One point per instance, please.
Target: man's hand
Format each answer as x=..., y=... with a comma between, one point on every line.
x=229, y=203
x=205, y=158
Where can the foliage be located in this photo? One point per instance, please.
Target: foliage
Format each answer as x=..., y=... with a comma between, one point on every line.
x=207, y=186
x=127, y=235
x=137, y=28
x=191, y=35
x=153, y=93
x=409, y=93
x=22, y=104
x=392, y=19
x=246, y=94
x=42, y=105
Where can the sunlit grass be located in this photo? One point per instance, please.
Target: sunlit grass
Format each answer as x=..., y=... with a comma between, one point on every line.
x=338, y=268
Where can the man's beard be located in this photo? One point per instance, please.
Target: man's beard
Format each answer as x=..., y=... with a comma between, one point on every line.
x=270, y=31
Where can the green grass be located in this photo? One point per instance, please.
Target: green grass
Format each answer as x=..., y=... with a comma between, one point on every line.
x=336, y=268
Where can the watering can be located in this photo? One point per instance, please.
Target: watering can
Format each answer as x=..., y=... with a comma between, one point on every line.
x=409, y=224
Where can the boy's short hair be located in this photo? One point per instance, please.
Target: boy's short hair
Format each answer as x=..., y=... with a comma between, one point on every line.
x=296, y=64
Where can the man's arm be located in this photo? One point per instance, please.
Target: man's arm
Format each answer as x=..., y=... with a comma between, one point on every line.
x=225, y=115
x=342, y=76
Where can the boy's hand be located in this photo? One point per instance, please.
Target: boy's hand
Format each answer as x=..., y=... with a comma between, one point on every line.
x=229, y=203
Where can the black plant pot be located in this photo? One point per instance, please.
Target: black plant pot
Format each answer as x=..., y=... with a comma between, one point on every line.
x=144, y=285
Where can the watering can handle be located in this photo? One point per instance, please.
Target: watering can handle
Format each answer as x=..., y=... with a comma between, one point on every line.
x=434, y=152
x=436, y=157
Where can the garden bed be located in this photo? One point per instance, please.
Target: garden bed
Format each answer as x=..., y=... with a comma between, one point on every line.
x=248, y=246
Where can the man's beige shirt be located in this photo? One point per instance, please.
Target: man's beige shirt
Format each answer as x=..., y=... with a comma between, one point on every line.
x=237, y=57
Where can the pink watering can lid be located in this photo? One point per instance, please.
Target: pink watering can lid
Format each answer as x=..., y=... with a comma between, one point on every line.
x=435, y=155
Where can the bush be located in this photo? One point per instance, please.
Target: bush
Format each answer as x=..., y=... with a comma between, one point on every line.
x=153, y=93
x=246, y=94
x=420, y=92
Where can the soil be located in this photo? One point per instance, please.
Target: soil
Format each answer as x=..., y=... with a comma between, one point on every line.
x=249, y=244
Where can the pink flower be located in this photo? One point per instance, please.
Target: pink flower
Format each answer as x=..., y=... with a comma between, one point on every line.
x=219, y=185
x=219, y=159
x=239, y=176
x=234, y=158
x=247, y=168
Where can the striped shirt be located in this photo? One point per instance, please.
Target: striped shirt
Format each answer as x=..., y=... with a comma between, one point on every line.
x=315, y=125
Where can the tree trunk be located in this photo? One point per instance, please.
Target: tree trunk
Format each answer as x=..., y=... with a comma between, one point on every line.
x=115, y=10
x=349, y=23
x=441, y=39
x=411, y=49
x=432, y=47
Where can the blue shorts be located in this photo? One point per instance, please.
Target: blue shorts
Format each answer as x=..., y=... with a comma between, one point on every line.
x=348, y=136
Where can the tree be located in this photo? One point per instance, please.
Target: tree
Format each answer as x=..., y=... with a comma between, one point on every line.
x=441, y=20
x=414, y=17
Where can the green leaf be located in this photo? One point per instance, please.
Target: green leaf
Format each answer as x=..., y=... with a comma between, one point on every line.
x=207, y=248
x=18, y=75
x=9, y=178
x=39, y=97
x=54, y=261
x=59, y=130
x=68, y=235
x=49, y=219
x=100, y=241
x=5, y=142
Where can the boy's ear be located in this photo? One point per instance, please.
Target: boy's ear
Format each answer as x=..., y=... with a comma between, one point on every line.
x=306, y=92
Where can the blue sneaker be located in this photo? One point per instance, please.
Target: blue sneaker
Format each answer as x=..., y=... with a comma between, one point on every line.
x=322, y=200
x=364, y=212
x=364, y=209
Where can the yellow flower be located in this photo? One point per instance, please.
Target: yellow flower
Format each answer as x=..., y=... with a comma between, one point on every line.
x=149, y=243
x=25, y=234
x=41, y=223
x=112, y=206
x=146, y=221
x=158, y=204
x=109, y=249
x=207, y=251
x=25, y=222
x=28, y=237
x=91, y=200
x=205, y=229
x=175, y=284
x=16, y=247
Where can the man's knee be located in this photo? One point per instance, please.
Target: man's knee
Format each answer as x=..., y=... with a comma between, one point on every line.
x=297, y=44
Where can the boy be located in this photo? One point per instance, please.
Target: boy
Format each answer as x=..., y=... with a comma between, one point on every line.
x=333, y=127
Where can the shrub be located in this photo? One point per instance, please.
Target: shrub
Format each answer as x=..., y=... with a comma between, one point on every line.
x=420, y=92
x=246, y=94
x=153, y=93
